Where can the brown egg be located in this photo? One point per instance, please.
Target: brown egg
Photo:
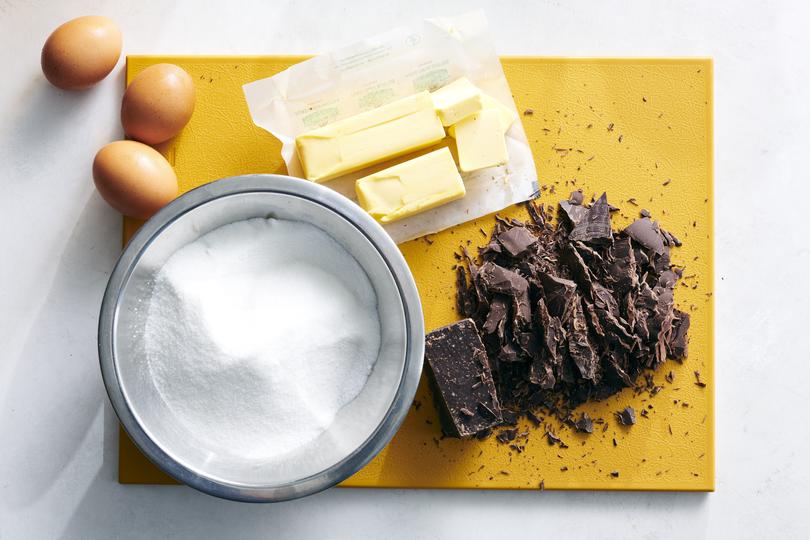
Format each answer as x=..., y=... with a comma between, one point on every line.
x=157, y=103
x=81, y=52
x=134, y=178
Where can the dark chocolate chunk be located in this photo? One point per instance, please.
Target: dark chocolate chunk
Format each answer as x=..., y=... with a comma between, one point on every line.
x=584, y=424
x=646, y=232
x=622, y=269
x=457, y=359
x=496, y=318
x=679, y=345
x=627, y=416
x=579, y=346
x=501, y=280
x=575, y=212
x=517, y=240
x=558, y=294
x=595, y=225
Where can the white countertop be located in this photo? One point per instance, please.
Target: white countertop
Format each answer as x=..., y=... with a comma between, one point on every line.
x=58, y=243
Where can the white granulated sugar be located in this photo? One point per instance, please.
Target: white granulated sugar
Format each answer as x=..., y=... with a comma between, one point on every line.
x=258, y=333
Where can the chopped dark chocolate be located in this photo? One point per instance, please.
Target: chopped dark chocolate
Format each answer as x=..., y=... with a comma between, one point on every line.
x=574, y=311
x=627, y=416
x=457, y=359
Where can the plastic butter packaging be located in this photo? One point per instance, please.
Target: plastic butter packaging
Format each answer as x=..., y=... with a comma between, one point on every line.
x=354, y=143
x=411, y=187
x=331, y=110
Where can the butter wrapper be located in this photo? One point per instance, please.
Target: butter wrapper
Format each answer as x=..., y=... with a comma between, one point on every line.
x=387, y=67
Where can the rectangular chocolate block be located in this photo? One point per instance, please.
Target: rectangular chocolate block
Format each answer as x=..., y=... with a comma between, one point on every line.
x=462, y=381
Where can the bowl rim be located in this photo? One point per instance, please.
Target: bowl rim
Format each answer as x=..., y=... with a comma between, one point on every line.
x=365, y=225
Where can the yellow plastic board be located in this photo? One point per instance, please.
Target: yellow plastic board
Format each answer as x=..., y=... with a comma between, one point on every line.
x=639, y=129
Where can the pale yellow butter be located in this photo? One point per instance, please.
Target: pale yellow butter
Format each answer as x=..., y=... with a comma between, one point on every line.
x=480, y=141
x=370, y=137
x=457, y=100
x=411, y=187
x=507, y=116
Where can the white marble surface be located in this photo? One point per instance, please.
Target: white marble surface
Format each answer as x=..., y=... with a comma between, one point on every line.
x=59, y=241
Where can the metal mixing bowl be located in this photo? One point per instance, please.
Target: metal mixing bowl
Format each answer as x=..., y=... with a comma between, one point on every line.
x=360, y=430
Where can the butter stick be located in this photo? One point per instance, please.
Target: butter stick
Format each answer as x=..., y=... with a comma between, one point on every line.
x=370, y=137
x=457, y=100
x=411, y=187
x=506, y=115
x=480, y=141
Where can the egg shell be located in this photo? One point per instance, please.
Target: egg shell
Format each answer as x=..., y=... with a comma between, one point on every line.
x=134, y=178
x=81, y=52
x=158, y=103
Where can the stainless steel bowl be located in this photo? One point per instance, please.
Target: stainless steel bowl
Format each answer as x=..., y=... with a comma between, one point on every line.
x=360, y=430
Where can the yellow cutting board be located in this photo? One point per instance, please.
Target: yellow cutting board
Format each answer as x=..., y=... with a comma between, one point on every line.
x=639, y=128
